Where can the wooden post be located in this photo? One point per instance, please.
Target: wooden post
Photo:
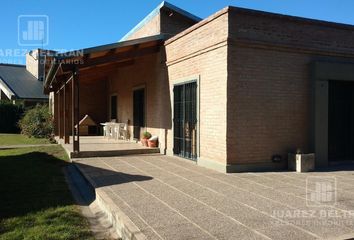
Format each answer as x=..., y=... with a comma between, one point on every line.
x=60, y=119
x=56, y=108
x=69, y=111
x=75, y=91
x=66, y=114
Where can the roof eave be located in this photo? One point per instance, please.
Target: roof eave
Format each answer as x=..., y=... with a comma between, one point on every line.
x=58, y=59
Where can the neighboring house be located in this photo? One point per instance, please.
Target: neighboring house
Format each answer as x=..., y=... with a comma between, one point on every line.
x=232, y=92
x=23, y=82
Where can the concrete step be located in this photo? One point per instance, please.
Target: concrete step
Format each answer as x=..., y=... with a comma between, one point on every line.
x=84, y=194
x=113, y=153
x=110, y=217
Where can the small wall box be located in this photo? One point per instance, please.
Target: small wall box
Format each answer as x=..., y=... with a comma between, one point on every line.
x=301, y=162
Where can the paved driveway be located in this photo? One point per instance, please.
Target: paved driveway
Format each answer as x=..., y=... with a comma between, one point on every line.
x=170, y=198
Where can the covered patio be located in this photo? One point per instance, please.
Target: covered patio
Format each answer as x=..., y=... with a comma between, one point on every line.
x=110, y=83
x=98, y=146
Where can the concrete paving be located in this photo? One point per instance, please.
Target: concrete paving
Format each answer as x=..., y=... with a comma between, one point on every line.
x=171, y=198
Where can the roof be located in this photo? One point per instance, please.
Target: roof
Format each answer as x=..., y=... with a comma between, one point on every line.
x=110, y=46
x=157, y=11
x=89, y=53
x=21, y=82
x=87, y=121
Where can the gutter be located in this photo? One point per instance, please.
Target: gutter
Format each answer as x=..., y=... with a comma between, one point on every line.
x=51, y=74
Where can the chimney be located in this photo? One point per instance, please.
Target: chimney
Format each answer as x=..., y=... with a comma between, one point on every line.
x=35, y=62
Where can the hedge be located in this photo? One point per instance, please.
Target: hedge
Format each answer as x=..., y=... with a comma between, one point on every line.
x=10, y=114
x=37, y=122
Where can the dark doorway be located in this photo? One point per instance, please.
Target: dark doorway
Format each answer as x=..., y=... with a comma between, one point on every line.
x=114, y=107
x=138, y=111
x=341, y=121
x=185, y=120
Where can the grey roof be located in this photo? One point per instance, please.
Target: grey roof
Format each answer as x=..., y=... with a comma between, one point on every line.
x=21, y=82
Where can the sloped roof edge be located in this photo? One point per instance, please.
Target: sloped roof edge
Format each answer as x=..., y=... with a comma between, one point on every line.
x=155, y=12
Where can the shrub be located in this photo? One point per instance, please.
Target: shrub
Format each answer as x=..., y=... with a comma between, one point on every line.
x=10, y=114
x=37, y=122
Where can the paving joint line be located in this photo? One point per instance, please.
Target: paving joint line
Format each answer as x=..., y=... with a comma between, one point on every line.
x=205, y=204
x=166, y=204
x=246, y=205
x=336, y=208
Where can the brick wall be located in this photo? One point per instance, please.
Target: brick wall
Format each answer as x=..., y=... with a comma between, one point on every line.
x=202, y=51
x=269, y=101
x=93, y=99
x=166, y=21
x=173, y=23
x=148, y=72
x=269, y=107
x=290, y=31
x=151, y=28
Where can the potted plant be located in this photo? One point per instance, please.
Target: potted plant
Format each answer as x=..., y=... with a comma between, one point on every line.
x=145, y=137
x=152, y=142
x=301, y=162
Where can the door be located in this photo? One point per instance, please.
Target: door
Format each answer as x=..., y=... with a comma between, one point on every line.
x=185, y=120
x=138, y=111
x=113, y=110
x=341, y=121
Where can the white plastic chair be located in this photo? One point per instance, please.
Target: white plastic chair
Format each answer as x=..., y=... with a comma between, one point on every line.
x=117, y=130
x=124, y=131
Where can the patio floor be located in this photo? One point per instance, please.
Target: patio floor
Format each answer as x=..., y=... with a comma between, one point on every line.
x=98, y=146
x=171, y=198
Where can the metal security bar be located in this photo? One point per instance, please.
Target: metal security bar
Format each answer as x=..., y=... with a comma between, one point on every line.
x=185, y=120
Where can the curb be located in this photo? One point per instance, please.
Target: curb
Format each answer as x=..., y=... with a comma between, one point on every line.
x=126, y=229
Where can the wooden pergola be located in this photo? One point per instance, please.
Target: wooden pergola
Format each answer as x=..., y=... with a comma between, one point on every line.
x=65, y=70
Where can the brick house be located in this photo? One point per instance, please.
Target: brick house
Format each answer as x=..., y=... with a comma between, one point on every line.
x=230, y=91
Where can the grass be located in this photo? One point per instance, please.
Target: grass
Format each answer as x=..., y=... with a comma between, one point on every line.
x=35, y=201
x=17, y=139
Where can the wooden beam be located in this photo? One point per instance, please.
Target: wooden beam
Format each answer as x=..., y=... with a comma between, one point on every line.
x=60, y=119
x=75, y=91
x=99, y=72
x=112, y=57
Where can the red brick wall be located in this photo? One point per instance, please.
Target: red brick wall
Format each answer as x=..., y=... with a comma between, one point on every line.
x=202, y=52
x=173, y=23
x=148, y=72
x=166, y=22
x=289, y=31
x=93, y=100
x=269, y=107
x=151, y=28
x=269, y=104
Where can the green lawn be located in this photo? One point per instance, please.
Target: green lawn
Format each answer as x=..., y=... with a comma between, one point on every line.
x=17, y=139
x=35, y=202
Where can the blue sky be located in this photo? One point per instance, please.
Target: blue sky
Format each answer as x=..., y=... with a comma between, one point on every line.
x=75, y=24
